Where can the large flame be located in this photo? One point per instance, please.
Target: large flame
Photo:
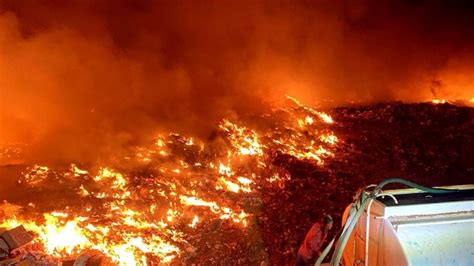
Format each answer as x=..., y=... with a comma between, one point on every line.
x=136, y=219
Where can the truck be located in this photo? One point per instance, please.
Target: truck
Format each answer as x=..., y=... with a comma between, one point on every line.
x=412, y=226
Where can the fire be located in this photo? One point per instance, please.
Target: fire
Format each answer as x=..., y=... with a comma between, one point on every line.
x=54, y=233
x=199, y=202
x=244, y=140
x=54, y=236
x=439, y=101
x=35, y=175
x=278, y=179
x=329, y=138
x=231, y=186
x=225, y=170
x=325, y=117
x=117, y=179
x=194, y=222
x=137, y=219
x=244, y=180
x=309, y=120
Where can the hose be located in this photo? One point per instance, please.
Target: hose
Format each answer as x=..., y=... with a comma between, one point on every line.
x=357, y=209
x=342, y=230
x=413, y=185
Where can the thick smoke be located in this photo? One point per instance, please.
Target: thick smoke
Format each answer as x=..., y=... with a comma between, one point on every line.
x=80, y=79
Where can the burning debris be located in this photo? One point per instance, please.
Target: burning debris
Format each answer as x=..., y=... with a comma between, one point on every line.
x=163, y=139
x=245, y=195
x=159, y=204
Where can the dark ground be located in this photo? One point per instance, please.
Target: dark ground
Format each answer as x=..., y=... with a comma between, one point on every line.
x=425, y=143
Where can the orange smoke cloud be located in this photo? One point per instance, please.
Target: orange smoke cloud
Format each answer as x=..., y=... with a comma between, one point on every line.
x=84, y=78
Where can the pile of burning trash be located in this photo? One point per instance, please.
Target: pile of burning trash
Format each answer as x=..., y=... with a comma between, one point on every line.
x=178, y=199
x=247, y=194
x=14, y=251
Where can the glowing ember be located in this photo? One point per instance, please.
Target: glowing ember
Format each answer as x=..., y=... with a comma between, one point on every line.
x=329, y=138
x=325, y=117
x=194, y=222
x=136, y=219
x=439, y=101
x=77, y=171
x=35, y=175
x=244, y=140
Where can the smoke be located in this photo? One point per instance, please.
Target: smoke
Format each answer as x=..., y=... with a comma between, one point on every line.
x=83, y=79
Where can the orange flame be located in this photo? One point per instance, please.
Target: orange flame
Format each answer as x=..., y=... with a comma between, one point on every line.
x=134, y=219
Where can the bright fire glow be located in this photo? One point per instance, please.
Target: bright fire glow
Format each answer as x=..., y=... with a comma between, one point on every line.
x=439, y=101
x=136, y=218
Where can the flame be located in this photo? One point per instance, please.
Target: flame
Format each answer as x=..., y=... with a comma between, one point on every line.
x=325, y=117
x=309, y=120
x=329, y=138
x=137, y=220
x=77, y=171
x=194, y=222
x=35, y=175
x=439, y=101
x=199, y=202
x=244, y=180
x=54, y=233
x=244, y=140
